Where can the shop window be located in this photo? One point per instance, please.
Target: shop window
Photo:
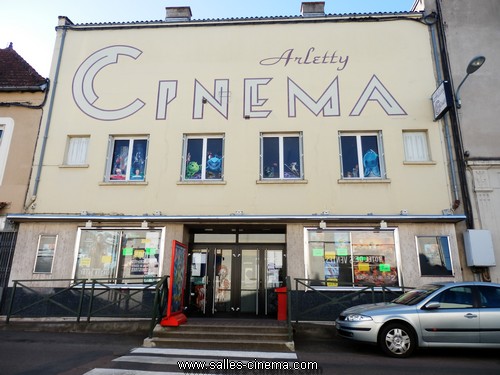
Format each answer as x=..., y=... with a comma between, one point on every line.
x=351, y=258
x=203, y=158
x=281, y=156
x=45, y=253
x=361, y=156
x=117, y=256
x=434, y=256
x=127, y=159
x=416, y=146
x=76, y=150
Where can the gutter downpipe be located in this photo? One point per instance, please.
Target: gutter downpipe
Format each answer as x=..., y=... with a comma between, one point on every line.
x=49, y=116
x=445, y=118
x=455, y=125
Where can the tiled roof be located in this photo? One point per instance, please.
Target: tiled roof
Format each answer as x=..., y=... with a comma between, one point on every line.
x=261, y=18
x=16, y=72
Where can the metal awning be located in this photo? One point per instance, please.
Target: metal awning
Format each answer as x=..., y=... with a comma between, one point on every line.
x=242, y=218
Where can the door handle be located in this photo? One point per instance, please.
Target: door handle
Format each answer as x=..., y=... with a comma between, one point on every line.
x=470, y=315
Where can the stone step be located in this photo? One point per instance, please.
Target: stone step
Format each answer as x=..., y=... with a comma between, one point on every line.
x=242, y=335
x=211, y=328
x=223, y=334
x=223, y=344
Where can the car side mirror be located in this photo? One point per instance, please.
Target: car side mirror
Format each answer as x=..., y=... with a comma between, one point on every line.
x=432, y=306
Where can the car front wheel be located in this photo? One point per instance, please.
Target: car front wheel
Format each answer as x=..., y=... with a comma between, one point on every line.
x=397, y=340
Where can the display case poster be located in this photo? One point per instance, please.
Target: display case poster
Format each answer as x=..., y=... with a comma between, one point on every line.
x=371, y=270
x=176, y=290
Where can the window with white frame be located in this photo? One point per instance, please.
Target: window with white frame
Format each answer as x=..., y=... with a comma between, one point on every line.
x=115, y=255
x=343, y=257
x=434, y=256
x=45, y=253
x=281, y=156
x=76, y=150
x=416, y=146
x=203, y=157
x=361, y=155
x=127, y=157
x=6, y=131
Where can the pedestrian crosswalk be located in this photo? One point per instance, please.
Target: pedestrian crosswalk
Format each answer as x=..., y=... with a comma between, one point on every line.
x=170, y=361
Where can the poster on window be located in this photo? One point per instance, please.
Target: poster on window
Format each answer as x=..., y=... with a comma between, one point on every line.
x=342, y=250
x=175, y=305
x=97, y=255
x=373, y=270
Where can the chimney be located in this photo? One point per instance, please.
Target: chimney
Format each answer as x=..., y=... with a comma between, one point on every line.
x=313, y=9
x=176, y=14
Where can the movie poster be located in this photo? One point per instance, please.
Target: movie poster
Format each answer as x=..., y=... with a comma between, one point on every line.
x=177, y=278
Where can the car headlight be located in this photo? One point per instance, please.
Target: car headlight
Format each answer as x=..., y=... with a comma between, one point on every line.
x=357, y=318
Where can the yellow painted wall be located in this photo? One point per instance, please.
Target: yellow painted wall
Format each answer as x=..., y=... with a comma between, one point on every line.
x=397, y=52
x=25, y=123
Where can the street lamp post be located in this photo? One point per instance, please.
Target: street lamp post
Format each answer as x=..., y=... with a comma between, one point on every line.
x=474, y=65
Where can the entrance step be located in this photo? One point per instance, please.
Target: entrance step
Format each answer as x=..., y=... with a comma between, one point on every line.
x=225, y=334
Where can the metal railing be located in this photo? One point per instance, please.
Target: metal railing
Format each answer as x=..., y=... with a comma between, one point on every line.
x=337, y=300
x=289, y=308
x=88, y=298
x=159, y=303
x=91, y=298
x=45, y=299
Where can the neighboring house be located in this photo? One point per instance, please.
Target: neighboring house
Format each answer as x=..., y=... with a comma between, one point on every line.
x=301, y=146
x=22, y=94
x=467, y=30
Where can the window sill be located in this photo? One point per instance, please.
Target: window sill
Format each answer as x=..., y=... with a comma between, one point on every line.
x=419, y=162
x=202, y=182
x=122, y=183
x=288, y=181
x=74, y=166
x=364, y=181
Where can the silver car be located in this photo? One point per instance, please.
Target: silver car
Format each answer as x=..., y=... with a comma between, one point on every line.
x=464, y=314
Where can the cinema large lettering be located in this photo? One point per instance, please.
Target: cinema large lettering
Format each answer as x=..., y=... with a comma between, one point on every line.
x=327, y=105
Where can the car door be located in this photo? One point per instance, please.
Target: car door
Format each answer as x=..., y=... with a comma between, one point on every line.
x=489, y=310
x=456, y=320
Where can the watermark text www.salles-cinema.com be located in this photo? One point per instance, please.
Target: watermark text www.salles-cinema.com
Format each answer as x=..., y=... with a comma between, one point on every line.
x=255, y=366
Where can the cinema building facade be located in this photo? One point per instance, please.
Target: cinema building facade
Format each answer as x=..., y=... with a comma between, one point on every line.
x=301, y=146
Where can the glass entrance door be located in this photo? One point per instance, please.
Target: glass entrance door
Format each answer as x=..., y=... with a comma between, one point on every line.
x=222, y=287
x=261, y=272
x=235, y=279
x=210, y=280
x=250, y=281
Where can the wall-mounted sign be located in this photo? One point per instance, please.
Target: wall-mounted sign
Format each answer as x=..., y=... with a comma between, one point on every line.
x=442, y=100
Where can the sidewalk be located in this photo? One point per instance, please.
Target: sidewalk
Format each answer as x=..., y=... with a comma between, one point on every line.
x=70, y=324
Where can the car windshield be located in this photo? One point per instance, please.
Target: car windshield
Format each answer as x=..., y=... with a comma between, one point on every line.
x=416, y=295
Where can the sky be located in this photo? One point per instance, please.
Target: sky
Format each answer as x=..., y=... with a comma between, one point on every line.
x=30, y=24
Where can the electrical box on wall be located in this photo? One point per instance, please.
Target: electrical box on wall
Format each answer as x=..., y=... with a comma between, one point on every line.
x=479, y=248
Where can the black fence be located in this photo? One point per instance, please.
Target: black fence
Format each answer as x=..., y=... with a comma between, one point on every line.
x=313, y=301
x=7, y=245
x=85, y=299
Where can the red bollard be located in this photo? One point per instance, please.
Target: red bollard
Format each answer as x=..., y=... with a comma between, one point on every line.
x=282, y=305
